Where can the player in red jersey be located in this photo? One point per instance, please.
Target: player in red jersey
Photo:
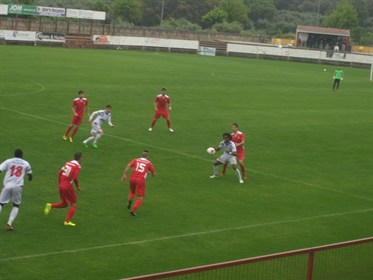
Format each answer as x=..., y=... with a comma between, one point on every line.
x=79, y=104
x=238, y=139
x=161, y=102
x=67, y=175
x=141, y=166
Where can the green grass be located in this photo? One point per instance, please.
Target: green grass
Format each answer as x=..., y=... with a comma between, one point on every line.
x=309, y=157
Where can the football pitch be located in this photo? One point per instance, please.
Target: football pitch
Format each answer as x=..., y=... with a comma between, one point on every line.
x=309, y=158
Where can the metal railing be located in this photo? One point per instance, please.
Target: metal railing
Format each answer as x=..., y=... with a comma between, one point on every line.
x=351, y=260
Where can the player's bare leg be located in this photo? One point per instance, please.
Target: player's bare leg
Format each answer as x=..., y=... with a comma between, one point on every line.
x=151, y=125
x=169, y=125
x=154, y=120
x=224, y=169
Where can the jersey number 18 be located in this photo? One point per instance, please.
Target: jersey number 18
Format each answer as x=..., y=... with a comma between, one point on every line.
x=16, y=170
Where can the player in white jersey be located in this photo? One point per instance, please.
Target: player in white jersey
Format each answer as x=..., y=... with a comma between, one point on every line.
x=15, y=168
x=102, y=116
x=229, y=155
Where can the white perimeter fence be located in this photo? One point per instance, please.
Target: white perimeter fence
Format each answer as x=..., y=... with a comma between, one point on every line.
x=232, y=48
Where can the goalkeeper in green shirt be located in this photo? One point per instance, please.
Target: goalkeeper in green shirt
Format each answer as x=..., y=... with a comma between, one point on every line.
x=338, y=76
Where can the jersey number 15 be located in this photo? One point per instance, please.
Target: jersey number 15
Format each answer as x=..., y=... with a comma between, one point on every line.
x=140, y=167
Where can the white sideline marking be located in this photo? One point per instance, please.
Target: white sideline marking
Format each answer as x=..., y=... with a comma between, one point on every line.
x=195, y=157
x=183, y=235
x=42, y=88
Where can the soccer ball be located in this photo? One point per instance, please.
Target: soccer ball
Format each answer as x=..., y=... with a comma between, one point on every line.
x=211, y=150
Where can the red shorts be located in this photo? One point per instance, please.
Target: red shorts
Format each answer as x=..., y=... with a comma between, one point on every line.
x=240, y=154
x=67, y=194
x=137, y=186
x=163, y=113
x=77, y=120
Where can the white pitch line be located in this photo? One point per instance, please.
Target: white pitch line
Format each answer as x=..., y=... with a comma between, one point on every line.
x=250, y=170
x=312, y=185
x=42, y=88
x=197, y=157
x=186, y=235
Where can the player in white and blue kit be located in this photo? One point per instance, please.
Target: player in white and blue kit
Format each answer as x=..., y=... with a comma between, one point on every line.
x=102, y=116
x=229, y=155
x=15, y=169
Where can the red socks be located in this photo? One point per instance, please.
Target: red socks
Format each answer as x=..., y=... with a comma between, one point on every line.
x=74, y=132
x=68, y=130
x=71, y=213
x=243, y=170
x=59, y=205
x=137, y=205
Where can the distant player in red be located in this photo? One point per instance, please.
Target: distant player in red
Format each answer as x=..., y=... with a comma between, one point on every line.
x=67, y=176
x=162, y=102
x=141, y=166
x=79, y=104
x=238, y=139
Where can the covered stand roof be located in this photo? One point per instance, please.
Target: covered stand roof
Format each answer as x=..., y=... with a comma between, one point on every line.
x=323, y=30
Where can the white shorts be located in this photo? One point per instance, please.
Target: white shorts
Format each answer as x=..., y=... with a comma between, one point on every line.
x=224, y=158
x=13, y=194
x=96, y=129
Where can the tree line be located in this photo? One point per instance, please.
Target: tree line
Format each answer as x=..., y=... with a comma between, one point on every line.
x=251, y=17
